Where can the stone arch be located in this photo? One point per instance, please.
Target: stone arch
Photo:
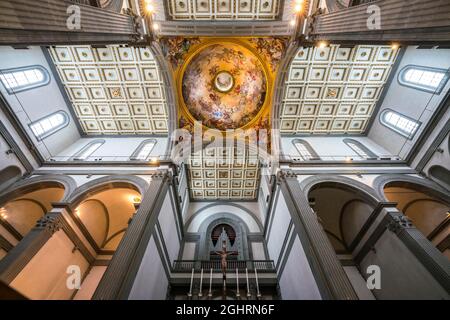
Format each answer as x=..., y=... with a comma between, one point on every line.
x=240, y=226
x=105, y=183
x=191, y=225
x=9, y=176
x=360, y=188
x=420, y=184
x=30, y=184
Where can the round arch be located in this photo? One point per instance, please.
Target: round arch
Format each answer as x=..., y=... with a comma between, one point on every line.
x=25, y=186
x=101, y=184
x=346, y=183
x=420, y=184
x=239, y=225
x=194, y=222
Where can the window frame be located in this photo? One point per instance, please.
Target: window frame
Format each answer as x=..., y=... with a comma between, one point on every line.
x=402, y=81
x=53, y=130
x=76, y=156
x=397, y=130
x=307, y=145
x=136, y=152
x=11, y=91
x=370, y=154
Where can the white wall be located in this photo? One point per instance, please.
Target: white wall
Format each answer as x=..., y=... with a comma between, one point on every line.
x=416, y=104
x=332, y=148
x=114, y=148
x=34, y=104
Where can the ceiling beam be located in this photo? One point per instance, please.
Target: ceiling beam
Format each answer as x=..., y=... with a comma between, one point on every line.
x=421, y=22
x=54, y=22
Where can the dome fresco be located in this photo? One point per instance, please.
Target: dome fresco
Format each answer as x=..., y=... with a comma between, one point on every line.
x=224, y=86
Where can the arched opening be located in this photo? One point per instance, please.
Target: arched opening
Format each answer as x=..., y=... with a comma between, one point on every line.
x=441, y=176
x=429, y=212
x=103, y=217
x=21, y=209
x=8, y=176
x=223, y=236
x=344, y=212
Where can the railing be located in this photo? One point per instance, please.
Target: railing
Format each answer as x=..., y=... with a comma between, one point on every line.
x=343, y=158
x=216, y=265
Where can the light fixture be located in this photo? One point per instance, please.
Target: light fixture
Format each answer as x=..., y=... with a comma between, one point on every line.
x=155, y=26
x=77, y=212
x=348, y=159
x=322, y=44
x=293, y=22
x=297, y=8
x=154, y=160
x=135, y=199
x=395, y=46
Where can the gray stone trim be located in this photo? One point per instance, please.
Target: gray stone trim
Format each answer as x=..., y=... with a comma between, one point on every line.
x=16, y=259
x=119, y=277
x=44, y=181
x=108, y=182
x=369, y=222
x=363, y=190
x=279, y=93
x=226, y=203
x=5, y=244
x=239, y=226
x=421, y=184
x=431, y=258
x=15, y=148
x=170, y=92
x=162, y=250
x=286, y=248
x=331, y=278
x=437, y=116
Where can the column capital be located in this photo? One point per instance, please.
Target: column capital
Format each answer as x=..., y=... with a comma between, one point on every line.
x=399, y=222
x=51, y=222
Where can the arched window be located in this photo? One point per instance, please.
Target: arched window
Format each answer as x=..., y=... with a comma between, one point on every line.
x=49, y=125
x=142, y=152
x=399, y=123
x=88, y=150
x=305, y=150
x=24, y=78
x=361, y=150
x=424, y=78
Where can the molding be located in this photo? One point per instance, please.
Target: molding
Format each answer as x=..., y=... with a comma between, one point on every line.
x=16, y=234
x=20, y=129
x=5, y=244
x=394, y=69
x=15, y=148
x=369, y=222
x=31, y=184
x=16, y=259
x=367, y=193
x=419, y=184
x=352, y=171
x=331, y=278
x=119, y=278
x=225, y=203
x=63, y=91
x=434, y=145
x=108, y=182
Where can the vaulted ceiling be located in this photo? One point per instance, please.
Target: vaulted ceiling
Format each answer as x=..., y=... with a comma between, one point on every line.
x=114, y=90
x=334, y=89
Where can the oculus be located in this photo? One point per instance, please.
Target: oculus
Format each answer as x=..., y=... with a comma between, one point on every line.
x=224, y=86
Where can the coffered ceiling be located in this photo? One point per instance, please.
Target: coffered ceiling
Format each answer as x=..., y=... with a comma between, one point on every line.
x=114, y=90
x=334, y=90
x=224, y=173
x=223, y=9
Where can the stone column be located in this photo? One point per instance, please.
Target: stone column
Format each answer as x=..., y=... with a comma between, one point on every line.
x=16, y=259
x=331, y=278
x=121, y=272
x=430, y=257
x=14, y=262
